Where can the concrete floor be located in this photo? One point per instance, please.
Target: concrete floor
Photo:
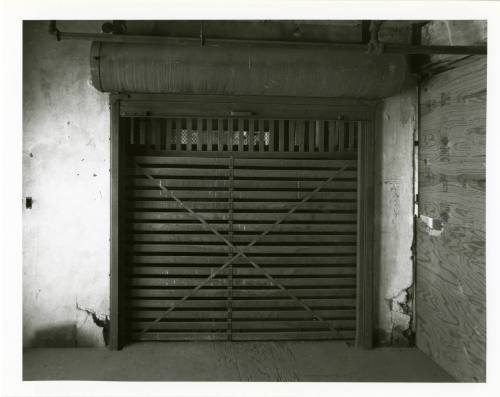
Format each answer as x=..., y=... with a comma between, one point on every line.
x=312, y=361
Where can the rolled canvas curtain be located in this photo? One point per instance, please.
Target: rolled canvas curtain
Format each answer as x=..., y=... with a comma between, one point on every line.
x=244, y=70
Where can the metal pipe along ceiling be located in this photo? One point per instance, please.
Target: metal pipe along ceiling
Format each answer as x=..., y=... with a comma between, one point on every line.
x=244, y=70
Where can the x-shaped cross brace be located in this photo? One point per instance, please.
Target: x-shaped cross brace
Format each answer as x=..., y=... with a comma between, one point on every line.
x=239, y=251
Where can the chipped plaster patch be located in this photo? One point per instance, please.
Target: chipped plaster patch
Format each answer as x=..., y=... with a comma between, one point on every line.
x=401, y=309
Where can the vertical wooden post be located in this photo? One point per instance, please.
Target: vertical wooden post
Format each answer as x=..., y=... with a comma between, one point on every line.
x=364, y=331
x=115, y=299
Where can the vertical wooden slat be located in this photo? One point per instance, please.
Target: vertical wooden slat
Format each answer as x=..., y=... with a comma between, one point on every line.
x=281, y=127
x=352, y=131
x=332, y=135
x=262, y=142
x=170, y=137
x=341, y=132
x=156, y=133
x=300, y=133
x=177, y=128
x=150, y=133
x=199, y=133
x=321, y=136
x=241, y=127
x=311, y=131
x=291, y=135
x=251, y=134
x=220, y=134
x=209, y=134
x=165, y=143
x=142, y=131
x=271, y=135
x=356, y=135
x=230, y=134
x=189, y=128
x=133, y=139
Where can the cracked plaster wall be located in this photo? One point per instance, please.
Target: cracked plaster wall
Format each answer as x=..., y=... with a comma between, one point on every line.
x=393, y=273
x=66, y=172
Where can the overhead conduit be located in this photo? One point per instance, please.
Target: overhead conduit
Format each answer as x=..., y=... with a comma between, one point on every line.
x=152, y=64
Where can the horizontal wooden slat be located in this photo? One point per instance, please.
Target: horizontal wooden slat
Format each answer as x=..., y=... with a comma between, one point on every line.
x=182, y=160
x=262, y=260
x=142, y=150
x=245, y=239
x=303, y=335
x=296, y=174
x=162, y=204
x=218, y=173
x=150, y=336
x=242, y=293
x=242, y=162
x=245, y=228
x=248, y=303
x=242, y=217
x=244, y=195
x=276, y=271
x=221, y=249
x=242, y=314
x=244, y=282
x=186, y=326
x=303, y=325
x=341, y=182
x=215, y=173
x=236, y=325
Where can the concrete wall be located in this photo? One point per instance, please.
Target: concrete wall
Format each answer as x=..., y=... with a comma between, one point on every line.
x=393, y=273
x=66, y=171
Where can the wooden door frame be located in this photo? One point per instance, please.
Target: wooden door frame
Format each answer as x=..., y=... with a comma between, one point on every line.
x=165, y=104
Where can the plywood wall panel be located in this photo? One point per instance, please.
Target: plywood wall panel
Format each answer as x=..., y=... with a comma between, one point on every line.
x=450, y=284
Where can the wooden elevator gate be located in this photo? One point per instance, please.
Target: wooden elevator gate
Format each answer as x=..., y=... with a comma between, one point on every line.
x=240, y=228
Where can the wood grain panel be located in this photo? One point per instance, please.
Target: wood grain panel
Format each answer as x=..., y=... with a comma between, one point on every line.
x=451, y=300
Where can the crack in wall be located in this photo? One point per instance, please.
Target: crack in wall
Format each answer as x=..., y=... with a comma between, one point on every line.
x=99, y=319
